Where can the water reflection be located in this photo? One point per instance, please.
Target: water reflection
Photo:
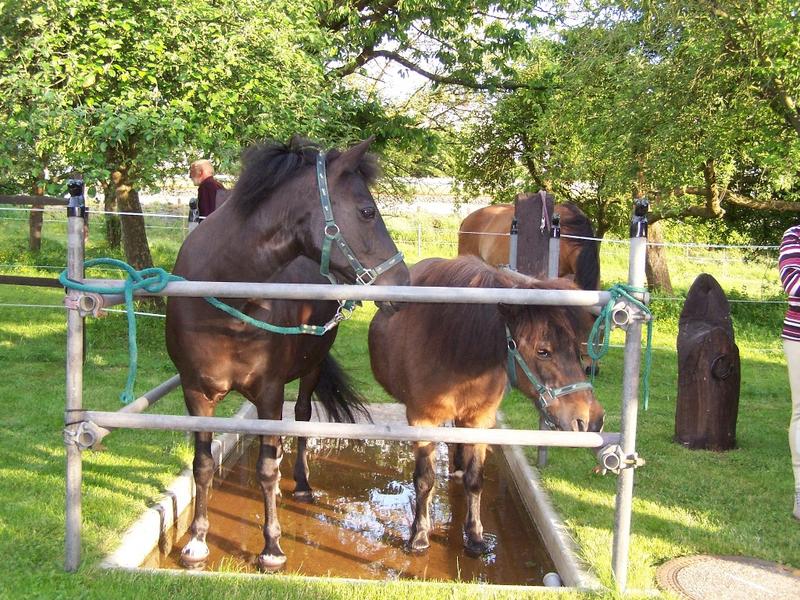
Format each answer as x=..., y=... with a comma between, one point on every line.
x=360, y=519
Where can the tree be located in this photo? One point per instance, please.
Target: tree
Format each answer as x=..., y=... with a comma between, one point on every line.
x=681, y=101
x=471, y=44
x=128, y=91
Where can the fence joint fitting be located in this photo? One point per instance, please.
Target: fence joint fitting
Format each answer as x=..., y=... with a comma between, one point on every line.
x=82, y=434
x=86, y=303
x=613, y=459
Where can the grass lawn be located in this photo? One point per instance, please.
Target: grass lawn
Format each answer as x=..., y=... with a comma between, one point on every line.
x=685, y=502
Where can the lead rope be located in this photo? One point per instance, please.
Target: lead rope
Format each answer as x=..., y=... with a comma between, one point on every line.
x=545, y=219
x=154, y=280
x=598, y=348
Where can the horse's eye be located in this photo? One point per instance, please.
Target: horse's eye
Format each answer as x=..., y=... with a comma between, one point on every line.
x=542, y=353
x=368, y=212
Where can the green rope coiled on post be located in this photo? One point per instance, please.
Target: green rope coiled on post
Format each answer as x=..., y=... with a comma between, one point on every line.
x=597, y=349
x=154, y=280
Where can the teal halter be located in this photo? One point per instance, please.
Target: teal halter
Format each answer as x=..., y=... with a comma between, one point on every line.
x=547, y=395
x=334, y=234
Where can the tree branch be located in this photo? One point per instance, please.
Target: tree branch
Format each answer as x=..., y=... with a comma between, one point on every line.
x=707, y=211
x=369, y=54
x=747, y=201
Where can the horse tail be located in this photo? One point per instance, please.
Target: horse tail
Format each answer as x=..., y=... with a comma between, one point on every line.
x=588, y=266
x=335, y=391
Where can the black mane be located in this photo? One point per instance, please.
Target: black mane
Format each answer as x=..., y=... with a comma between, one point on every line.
x=576, y=221
x=267, y=165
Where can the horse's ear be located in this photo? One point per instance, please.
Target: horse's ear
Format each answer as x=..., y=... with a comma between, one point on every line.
x=508, y=311
x=350, y=159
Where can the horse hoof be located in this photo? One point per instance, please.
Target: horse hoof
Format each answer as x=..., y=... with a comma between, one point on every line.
x=271, y=562
x=306, y=496
x=419, y=543
x=474, y=549
x=194, y=554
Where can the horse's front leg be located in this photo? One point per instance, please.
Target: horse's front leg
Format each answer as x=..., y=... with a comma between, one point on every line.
x=195, y=552
x=473, y=457
x=270, y=406
x=458, y=463
x=302, y=412
x=424, y=482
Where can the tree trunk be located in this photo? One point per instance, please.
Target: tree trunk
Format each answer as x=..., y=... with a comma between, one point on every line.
x=35, y=220
x=113, y=225
x=134, y=236
x=656, y=266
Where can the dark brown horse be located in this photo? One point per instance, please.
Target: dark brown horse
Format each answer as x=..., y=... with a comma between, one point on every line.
x=291, y=200
x=577, y=257
x=449, y=362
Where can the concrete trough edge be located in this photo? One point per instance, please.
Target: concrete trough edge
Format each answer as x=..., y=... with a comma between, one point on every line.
x=139, y=540
x=474, y=588
x=560, y=545
x=143, y=535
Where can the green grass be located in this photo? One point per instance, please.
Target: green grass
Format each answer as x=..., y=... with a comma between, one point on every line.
x=685, y=502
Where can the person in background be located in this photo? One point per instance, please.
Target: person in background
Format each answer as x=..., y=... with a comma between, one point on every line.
x=789, y=265
x=201, y=173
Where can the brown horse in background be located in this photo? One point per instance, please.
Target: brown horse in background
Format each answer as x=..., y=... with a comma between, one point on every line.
x=484, y=233
x=449, y=362
x=281, y=208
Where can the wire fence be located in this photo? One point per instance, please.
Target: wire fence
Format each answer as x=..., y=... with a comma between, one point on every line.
x=748, y=273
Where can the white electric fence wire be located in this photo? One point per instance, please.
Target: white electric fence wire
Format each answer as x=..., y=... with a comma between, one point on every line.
x=93, y=211
x=160, y=316
x=62, y=307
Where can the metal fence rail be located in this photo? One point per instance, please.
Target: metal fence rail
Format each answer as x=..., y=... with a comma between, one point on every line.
x=82, y=426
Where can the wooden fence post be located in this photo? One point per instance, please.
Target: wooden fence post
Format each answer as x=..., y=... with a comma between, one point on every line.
x=708, y=370
x=533, y=212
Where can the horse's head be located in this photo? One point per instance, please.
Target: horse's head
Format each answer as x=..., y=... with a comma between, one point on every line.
x=547, y=340
x=347, y=231
x=297, y=200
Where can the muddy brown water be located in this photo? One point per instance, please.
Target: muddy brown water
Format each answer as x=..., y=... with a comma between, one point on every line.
x=359, y=520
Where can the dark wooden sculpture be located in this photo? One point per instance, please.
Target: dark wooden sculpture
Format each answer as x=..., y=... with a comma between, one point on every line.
x=534, y=213
x=708, y=370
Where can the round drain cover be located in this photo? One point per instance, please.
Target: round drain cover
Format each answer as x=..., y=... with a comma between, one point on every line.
x=732, y=577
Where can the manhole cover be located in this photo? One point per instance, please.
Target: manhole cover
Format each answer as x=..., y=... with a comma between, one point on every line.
x=731, y=577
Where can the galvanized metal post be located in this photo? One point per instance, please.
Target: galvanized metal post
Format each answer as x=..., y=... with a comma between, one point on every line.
x=512, y=246
x=194, y=215
x=630, y=402
x=552, y=271
x=555, y=246
x=74, y=399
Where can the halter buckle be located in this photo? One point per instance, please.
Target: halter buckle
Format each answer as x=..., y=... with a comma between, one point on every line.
x=332, y=227
x=366, y=277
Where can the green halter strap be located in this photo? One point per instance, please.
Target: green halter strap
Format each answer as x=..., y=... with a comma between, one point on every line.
x=332, y=234
x=547, y=395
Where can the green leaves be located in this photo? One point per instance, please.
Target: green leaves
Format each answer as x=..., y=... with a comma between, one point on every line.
x=642, y=95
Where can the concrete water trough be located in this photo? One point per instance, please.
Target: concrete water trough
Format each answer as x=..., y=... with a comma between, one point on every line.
x=364, y=535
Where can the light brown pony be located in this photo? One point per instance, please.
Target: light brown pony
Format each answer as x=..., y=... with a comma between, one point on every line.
x=577, y=257
x=448, y=362
x=274, y=216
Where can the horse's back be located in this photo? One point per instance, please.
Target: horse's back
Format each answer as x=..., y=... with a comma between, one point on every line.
x=429, y=356
x=484, y=233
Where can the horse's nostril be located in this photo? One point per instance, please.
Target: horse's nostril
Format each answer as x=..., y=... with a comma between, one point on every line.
x=579, y=425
